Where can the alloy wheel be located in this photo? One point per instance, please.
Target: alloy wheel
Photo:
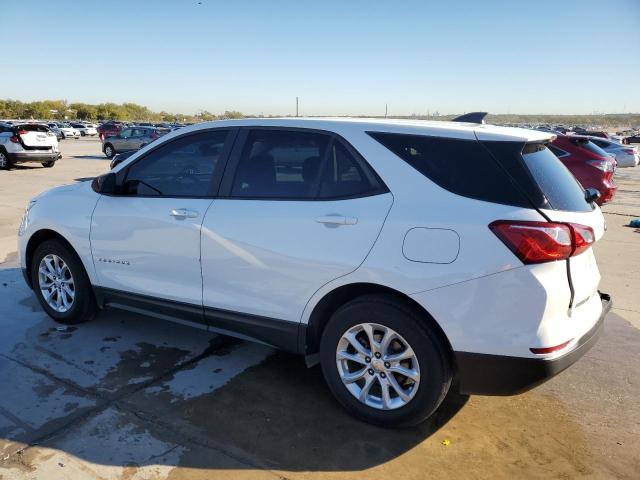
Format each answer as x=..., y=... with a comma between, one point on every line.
x=378, y=366
x=56, y=283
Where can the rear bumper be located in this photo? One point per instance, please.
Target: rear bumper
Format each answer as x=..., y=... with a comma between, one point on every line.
x=33, y=156
x=484, y=374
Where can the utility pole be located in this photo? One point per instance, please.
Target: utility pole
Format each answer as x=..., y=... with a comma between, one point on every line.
x=296, y=106
x=386, y=110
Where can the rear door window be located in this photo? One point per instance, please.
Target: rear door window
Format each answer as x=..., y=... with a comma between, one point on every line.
x=344, y=176
x=279, y=164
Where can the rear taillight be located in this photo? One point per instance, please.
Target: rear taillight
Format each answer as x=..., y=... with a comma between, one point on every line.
x=582, y=237
x=604, y=165
x=22, y=132
x=14, y=139
x=539, y=242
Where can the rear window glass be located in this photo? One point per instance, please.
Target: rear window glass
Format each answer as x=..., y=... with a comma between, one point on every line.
x=592, y=147
x=562, y=190
x=463, y=167
x=33, y=128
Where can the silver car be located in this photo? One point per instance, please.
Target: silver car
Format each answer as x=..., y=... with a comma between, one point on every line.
x=131, y=138
x=625, y=155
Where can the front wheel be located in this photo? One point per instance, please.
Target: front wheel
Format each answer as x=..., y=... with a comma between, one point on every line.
x=48, y=164
x=384, y=362
x=109, y=151
x=61, y=284
x=5, y=164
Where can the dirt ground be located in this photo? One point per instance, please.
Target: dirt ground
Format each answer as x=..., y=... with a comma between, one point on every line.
x=129, y=397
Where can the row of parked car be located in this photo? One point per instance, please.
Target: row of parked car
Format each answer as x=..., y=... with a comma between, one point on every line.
x=64, y=130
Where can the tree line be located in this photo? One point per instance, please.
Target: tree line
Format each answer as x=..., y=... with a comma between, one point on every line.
x=62, y=110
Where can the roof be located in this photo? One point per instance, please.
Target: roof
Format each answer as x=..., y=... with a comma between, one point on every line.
x=416, y=127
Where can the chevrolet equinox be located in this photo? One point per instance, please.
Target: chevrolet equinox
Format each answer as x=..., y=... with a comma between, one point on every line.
x=406, y=257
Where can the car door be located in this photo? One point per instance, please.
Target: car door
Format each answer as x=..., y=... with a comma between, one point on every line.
x=119, y=142
x=146, y=240
x=297, y=209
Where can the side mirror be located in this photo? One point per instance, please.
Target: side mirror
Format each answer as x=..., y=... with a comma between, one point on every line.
x=591, y=195
x=105, y=184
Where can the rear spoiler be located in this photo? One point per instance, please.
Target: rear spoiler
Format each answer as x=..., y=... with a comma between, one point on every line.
x=473, y=117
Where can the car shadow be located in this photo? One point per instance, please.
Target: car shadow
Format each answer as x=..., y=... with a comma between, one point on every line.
x=215, y=402
x=88, y=157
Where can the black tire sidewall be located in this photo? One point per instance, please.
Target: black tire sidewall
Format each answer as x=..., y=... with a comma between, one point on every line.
x=8, y=164
x=435, y=365
x=84, y=302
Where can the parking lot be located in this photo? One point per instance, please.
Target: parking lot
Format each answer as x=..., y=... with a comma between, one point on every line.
x=127, y=396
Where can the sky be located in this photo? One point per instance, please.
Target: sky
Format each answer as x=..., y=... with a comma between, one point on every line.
x=340, y=57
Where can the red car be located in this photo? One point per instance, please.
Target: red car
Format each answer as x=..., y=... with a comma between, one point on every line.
x=591, y=165
x=109, y=129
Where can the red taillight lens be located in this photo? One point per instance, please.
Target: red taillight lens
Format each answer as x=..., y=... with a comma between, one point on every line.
x=22, y=132
x=535, y=242
x=539, y=242
x=582, y=236
x=13, y=139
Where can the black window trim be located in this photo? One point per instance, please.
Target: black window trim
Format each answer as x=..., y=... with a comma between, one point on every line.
x=218, y=172
x=236, y=154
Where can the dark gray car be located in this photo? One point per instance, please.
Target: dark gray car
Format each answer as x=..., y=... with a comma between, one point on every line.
x=131, y=138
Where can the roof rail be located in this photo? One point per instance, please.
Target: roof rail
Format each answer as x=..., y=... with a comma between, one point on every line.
x=472, y=117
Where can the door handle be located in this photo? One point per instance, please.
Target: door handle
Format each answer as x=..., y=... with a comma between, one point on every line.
x=336, y=220
x=182, y=213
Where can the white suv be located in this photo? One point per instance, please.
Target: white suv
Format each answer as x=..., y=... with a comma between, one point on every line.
x=27, y=143
x=404, y=256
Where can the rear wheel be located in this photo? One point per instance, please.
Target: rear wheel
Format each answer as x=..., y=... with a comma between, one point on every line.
x=48, y=164
x=61, y=283
x=384, y=362
x=5, y=164
x=109, y=151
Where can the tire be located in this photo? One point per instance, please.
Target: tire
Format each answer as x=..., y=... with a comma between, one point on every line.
x=48, y=164
x=83, y=306
x=5, y=163
x=429, y=350
x=109, y=151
